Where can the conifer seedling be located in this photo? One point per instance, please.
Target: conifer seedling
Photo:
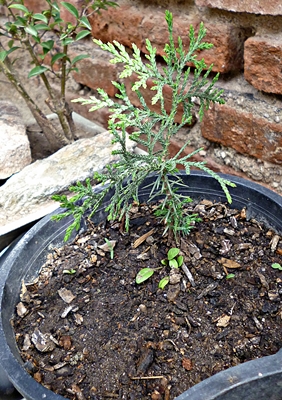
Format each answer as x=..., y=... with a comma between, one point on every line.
x=149, y=128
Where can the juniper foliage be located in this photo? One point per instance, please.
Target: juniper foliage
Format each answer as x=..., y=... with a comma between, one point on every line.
x=189, y=88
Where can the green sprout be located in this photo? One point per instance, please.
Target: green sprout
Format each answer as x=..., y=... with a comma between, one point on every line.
x=276, y=266
x=111, y=248
x=69, y=271
x=173, y=260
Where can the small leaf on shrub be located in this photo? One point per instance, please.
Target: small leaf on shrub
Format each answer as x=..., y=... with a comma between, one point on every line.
x=144, y=274
x=3, y=55
x=173, y=263
x=163, y=282
x=71, y=8
x=20, y=7
x=48, y=44
x=84, y=21
x=78, y=58
x=172, y=253
x=31, y=30
x=67, y=41
x=37, y=71
x=81, y=35
x=41, y=27
x=277, y=266
x=57, y=57
x=40, y=17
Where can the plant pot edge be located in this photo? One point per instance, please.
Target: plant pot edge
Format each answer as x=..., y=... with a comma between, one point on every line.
x=219, y=382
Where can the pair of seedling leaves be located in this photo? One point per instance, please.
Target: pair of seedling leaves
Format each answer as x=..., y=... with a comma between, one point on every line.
x=173, y=260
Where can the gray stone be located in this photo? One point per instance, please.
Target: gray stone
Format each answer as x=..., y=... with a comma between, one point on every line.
x=15, y=151
x=26, y=196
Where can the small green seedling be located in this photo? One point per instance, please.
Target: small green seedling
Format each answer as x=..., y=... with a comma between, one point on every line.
x=173, y=260
x=230, y=276
x=69, y=271
x=163, y=282
x=144, y=274
x=276, y=266
x=111, y=248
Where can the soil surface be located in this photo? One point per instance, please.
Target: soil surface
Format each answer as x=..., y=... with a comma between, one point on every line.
x=87, y=331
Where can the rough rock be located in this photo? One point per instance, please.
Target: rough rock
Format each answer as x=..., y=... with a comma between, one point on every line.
x=15, y=150
x=273, y=7
x=26, y=196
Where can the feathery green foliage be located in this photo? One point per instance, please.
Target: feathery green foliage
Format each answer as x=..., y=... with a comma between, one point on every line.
x=150, y=128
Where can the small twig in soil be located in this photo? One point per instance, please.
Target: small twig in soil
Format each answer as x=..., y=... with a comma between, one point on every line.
x=189, y=325
x=208, y=289
x=142, y=238
x=188, y=274
x=147, y=377
x=232, y=308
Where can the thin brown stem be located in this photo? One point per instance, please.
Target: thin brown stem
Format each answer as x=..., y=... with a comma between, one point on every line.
x=55, y=138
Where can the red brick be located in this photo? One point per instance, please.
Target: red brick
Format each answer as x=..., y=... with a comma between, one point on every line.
x=40, y=5
x=36, y=6
x=95, y=71
x=272, y=7
x=247, y=134
x=263, y=60
x=131, y=24
x=148, y=95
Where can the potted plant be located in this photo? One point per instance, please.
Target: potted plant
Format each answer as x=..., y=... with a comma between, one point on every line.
x=46, y=39
x=142, y=178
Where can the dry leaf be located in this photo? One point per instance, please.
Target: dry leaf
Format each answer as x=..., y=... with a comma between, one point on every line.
x=42, y=341
x=142, y=238
x=223, y=321
x=24, y=296
x=65, y=342
x=229, y=263
x=66, y=295
x=21, y=310
x=187, y=364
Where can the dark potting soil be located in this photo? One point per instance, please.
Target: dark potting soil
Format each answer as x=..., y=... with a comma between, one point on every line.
x=87, y=331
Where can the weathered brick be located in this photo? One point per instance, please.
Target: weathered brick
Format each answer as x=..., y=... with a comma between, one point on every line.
x=131, y=24
x=273, y=7
x=40, y=5
x=95, y=71
x=244, y=132
x=36, y=6
x=148, y=95
x=263, y=60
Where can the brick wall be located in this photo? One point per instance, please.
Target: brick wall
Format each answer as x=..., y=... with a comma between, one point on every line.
x=244, y=136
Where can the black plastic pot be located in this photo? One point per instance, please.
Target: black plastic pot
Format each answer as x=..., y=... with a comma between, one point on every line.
x=253, y=380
